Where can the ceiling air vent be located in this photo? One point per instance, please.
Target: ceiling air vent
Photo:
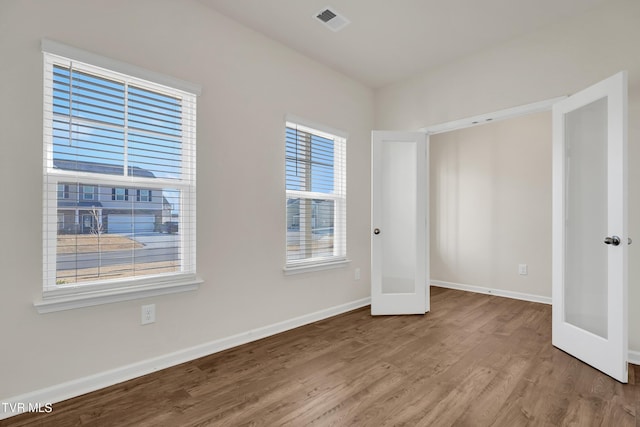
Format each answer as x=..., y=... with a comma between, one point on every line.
x=332, y=19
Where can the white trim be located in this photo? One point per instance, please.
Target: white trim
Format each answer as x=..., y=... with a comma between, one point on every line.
x=301, y=194
x=79, y=299
x=60, y=49
x=77, y=387
x=493, y=291
x=507, y=113
x=313, y=127
x=314, y=266
x=634, y=357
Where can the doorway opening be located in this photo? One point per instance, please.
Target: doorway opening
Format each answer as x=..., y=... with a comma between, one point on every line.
x=490, y=204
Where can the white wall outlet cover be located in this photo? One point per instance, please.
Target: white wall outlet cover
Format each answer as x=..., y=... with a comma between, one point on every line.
x=148, y=314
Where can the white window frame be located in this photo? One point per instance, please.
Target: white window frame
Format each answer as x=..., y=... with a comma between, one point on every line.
x=65, y=191
x=115, y=196
x=339, y=259
x=56, y=297
x=91, y=194
x=139, y=196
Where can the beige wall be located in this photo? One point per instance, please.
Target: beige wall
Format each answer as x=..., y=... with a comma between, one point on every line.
x=551, y=62
x=490, y=205
x=249, y=84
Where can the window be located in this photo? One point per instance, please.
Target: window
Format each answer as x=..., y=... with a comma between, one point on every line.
x=105, y=132
x=63, y=191
x=87, y=192
x=120, y=194
x=316, y=197
x=144, y=196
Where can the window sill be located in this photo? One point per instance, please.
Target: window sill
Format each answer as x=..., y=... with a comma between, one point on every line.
x=318, y=266
x=87, y=298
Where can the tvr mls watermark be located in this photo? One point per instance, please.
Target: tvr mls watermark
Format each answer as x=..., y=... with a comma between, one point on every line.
x=20, y=407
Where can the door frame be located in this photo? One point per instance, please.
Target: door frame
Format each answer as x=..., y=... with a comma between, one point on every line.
x=507, y=113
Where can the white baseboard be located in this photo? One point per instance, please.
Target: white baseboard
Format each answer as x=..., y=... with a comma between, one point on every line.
x=634, y=357
x=57, y=393
x=491, y=291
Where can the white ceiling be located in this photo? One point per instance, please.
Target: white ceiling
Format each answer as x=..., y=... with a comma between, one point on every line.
x=387, y=40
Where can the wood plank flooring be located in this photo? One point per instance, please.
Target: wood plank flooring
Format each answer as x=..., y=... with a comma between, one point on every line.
x=475, y=360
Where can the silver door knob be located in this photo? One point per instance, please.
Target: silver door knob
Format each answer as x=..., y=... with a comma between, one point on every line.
x=613, y=240
x=376, y=231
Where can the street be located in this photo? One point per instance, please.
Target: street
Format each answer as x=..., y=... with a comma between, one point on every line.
x=157, y=248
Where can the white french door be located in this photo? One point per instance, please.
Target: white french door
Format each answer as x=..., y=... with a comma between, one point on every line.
x=590, y=226
x=399, y=254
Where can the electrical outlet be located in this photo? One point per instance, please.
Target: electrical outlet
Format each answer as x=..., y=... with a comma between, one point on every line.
x=148, y=314
x=357, y=274
x=523, y=269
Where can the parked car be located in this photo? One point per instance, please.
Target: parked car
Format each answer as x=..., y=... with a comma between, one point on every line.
x=169, y=227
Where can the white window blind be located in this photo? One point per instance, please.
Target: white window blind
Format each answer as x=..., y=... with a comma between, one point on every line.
x=316, y=196
x=119, y=178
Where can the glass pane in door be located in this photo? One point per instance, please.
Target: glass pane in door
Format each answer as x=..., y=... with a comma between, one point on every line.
x=586, y=266
x=398, y=217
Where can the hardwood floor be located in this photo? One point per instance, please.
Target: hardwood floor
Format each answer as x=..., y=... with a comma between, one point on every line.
x=475, y=360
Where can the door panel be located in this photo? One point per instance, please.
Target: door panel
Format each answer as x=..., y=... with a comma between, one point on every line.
x=399, y=218
x=589, y=206
x=586, y=268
